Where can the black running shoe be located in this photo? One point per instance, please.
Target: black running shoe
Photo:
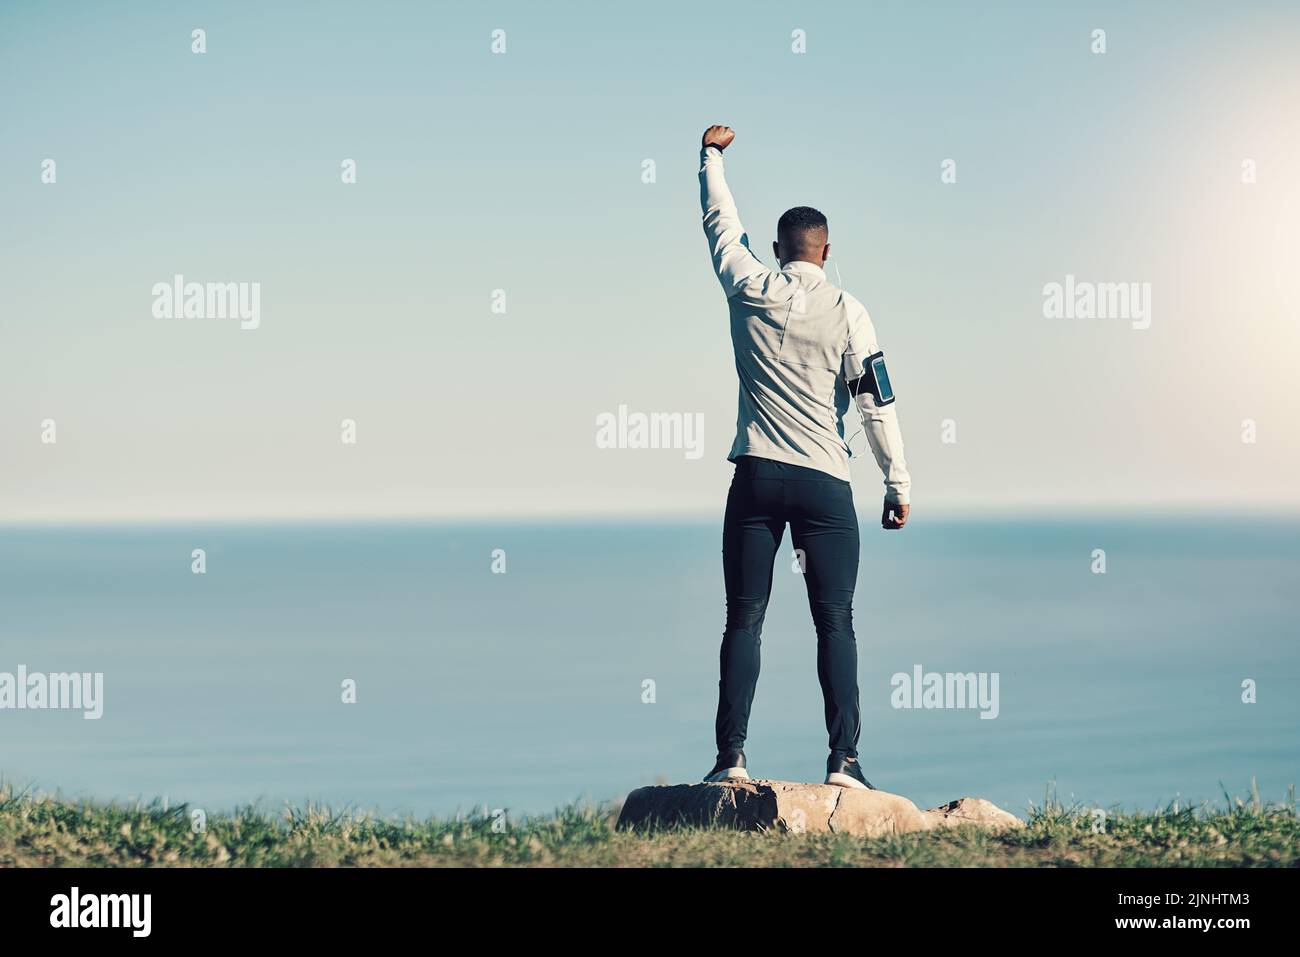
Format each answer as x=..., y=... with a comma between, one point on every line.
x=845, y=771
x=730, y=767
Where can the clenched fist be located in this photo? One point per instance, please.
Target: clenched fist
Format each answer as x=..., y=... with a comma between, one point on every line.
x=719, y=136
x=894, y=516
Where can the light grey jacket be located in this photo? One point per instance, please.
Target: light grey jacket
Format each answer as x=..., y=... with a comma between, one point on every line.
x=796, y=338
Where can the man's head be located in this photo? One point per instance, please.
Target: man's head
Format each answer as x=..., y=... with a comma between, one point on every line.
x=801, y=234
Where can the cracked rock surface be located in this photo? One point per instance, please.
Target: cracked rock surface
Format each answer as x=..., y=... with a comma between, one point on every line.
x=794, y=807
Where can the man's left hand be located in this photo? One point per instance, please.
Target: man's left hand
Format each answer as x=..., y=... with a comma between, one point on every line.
x=893, y=517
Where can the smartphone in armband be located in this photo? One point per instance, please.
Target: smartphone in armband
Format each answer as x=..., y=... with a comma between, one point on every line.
x=875, y=377
x=883, y=391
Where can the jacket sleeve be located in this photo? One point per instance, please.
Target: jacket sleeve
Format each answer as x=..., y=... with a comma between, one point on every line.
x=734, y=263
x=879, y=422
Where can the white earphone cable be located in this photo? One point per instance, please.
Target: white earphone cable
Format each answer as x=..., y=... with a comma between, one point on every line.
x=853, y=399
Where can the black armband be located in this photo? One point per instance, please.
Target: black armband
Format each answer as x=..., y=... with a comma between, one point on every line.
x=874, y=379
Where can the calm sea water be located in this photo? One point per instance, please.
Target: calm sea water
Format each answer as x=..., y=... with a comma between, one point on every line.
x=524, y=690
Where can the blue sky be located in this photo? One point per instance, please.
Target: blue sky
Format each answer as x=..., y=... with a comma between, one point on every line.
x=523, y=172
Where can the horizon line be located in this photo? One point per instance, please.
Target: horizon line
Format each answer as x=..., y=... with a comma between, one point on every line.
x=942, y=511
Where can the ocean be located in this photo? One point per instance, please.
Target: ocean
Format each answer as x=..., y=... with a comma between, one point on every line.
x=525, y=666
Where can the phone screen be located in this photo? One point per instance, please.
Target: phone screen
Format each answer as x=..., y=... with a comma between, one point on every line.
x=884, y=390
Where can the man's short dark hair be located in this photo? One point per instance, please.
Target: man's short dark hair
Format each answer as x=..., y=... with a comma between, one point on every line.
x=801, y=230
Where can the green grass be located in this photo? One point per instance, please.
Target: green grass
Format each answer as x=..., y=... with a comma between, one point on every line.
x=43, y=831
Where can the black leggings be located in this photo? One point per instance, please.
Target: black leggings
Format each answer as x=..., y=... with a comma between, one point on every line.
x=764, y=496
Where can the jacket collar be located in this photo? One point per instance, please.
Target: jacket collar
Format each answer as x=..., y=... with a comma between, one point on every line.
x=808, y=269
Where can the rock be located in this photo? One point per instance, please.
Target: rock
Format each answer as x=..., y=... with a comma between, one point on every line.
x=975, y=811
x=792, y=807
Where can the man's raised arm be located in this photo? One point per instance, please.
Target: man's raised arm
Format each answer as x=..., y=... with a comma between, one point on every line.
x=728, y=244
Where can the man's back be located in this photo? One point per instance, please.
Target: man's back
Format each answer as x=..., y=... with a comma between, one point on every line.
x=790, y=332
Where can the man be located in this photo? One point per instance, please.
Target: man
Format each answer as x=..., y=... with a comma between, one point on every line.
x=805, y=352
